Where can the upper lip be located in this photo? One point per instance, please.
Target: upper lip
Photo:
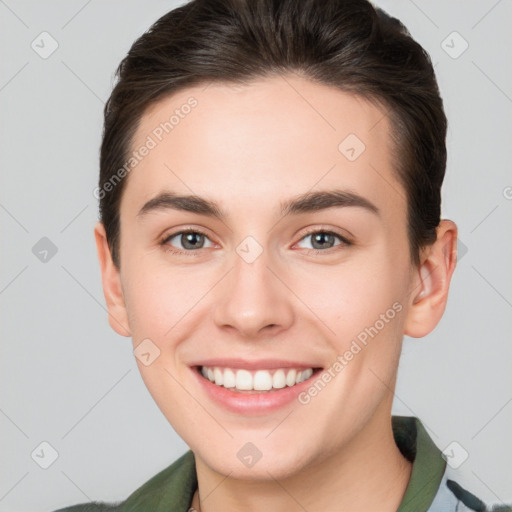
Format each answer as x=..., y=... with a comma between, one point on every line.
x=257, y=364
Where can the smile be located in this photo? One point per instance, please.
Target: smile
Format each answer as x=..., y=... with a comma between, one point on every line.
x=241, y=380
x=253, y=387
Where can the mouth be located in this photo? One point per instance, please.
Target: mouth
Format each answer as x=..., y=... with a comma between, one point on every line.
x=256, y=381
x=256, y=388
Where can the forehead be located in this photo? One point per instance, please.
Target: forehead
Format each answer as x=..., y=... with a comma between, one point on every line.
x=273, y=138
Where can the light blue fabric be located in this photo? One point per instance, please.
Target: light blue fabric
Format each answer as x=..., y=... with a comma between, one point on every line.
x=460, y=499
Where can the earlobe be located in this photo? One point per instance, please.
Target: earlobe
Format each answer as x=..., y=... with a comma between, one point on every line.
x=429, y=294
x=111, y=281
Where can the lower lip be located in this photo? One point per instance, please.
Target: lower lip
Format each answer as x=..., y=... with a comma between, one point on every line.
x=253, y=404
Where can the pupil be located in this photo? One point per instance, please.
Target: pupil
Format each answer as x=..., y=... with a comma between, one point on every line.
x=320, y=237
x=189, y=240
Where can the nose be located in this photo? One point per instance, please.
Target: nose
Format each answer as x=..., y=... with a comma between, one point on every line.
x=253, y=299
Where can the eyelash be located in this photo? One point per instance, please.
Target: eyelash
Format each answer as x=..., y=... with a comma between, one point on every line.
x=167, y=247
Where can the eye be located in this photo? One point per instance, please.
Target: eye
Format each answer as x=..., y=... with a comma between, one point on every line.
x=189, y=239
x=323, y=239
x=192, y=240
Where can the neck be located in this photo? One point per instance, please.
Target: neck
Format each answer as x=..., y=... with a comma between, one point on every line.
x=368, y=474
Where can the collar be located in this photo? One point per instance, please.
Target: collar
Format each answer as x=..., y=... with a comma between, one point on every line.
x=428, y=463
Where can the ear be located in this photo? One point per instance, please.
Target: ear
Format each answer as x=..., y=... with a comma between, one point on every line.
x=111, y=280
x=431, y=282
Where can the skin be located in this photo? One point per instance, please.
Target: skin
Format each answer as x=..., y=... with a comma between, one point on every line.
x=249, y=148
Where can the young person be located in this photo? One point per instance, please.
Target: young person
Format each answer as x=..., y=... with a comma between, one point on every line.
x=270, y=188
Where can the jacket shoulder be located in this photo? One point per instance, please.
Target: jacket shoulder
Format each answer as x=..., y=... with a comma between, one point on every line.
x=173, y=486
x=95, y=506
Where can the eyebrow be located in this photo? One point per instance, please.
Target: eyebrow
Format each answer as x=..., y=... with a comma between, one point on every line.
x=304, y=203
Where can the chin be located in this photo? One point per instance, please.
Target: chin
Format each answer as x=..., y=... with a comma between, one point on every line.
x=249, y=463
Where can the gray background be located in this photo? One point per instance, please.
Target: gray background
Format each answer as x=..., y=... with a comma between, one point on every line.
x=67, y=379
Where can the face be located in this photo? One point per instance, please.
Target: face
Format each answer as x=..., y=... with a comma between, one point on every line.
x=270, y=275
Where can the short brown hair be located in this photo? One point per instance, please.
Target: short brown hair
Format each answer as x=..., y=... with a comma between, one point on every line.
x=347, y=44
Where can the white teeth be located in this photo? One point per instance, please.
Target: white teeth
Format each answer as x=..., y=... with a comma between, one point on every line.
x=279, y=379
x=290, y=377
x=229, y=378
x=243, y=380
x=307, y=373
x=261, y=380
x=217, y=373
x=302, y=376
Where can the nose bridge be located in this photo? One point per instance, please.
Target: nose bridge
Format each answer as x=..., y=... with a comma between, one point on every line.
x=252, y=297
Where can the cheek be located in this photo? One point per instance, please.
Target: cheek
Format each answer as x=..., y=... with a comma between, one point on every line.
x=364, y=305
x=149, y=310
x=158, y=297
x=356, y=294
